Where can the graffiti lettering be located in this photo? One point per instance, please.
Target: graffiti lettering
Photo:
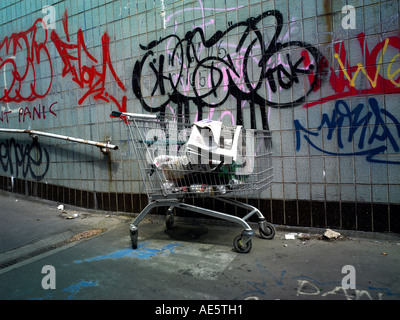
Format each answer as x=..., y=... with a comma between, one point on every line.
x=32, y=158
x=35, y=112
x=208, y=71
x=353, y=126
x=307, y=286
x=4, y=113
x=378, y=70
x=88, y=76
x=28, y=46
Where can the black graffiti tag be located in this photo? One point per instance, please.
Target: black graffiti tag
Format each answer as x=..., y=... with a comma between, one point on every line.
x=31, y=158
x=206, y=73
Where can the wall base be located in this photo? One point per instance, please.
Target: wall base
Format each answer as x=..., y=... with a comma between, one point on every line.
x=375, y=217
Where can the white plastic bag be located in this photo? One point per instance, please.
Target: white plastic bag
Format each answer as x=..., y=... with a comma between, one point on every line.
x=173, y=167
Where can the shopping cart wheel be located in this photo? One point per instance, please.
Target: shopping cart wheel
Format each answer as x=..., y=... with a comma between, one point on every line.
x=267, y=231
x=169, y=222
x=240, y=246
x=134, y=239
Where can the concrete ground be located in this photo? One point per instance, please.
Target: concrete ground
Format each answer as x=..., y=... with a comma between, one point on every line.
x=195, y=260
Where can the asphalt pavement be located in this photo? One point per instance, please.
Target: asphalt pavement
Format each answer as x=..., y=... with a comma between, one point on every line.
x=90, y=257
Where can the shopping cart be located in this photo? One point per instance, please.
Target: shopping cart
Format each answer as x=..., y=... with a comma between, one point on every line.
x=179, y=160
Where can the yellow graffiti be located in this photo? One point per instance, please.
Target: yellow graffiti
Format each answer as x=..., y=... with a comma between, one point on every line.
x=392, y=75
x=361, y=68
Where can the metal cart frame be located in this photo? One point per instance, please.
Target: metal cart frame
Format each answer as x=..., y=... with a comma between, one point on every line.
x=168, y=186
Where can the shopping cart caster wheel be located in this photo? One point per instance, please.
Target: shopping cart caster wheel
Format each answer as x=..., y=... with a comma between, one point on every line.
x=240, y=246
x=268, y=231
x=169, y=222
x=134, y=239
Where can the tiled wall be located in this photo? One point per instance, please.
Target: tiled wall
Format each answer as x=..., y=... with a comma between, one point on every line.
x=325, y=82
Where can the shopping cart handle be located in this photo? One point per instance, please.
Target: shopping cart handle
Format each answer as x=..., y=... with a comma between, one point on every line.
x=116, y=114
x=133, y=115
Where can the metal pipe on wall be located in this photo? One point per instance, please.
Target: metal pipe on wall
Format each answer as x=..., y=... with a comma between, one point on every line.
x=104, y=147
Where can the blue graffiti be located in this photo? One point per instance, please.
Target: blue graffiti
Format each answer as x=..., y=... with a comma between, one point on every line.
x=371, y=133
x=76, y=287
x=142, y=252
x=71, y=290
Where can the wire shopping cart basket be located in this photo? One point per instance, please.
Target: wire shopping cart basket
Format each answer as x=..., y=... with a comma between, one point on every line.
x=179, y=160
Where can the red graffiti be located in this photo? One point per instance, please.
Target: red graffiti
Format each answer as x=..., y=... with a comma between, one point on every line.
x=28, y=46
x=88, y=76
x=4, y=116
x=35, y=112
x=380, y=77
x=323, y=66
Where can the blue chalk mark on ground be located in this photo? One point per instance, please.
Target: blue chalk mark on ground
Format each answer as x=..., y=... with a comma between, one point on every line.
x=71, y=290
x=142, y=252
x=76, y=287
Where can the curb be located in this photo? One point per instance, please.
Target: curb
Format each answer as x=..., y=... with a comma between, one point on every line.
x=17, y=255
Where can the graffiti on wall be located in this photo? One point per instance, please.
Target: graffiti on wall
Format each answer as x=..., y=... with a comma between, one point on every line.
x=26, y=74
x=380, y=74
x=21, y=56
x=244, y=63
x=373, y=129
x=206, y=71
x=243, y=70
x=30, y=47
x=25, y=159
x=75, y=57
x=38, y=112
x=370, y=128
